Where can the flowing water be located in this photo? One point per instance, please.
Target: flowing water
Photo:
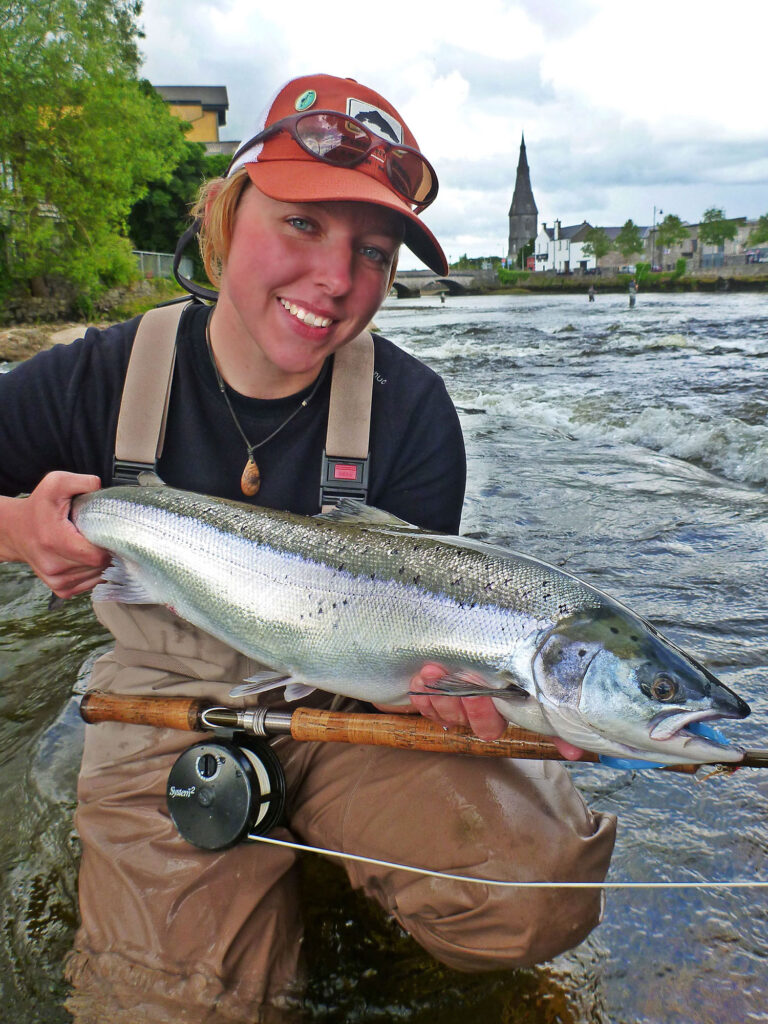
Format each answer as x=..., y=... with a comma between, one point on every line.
x=630, y=446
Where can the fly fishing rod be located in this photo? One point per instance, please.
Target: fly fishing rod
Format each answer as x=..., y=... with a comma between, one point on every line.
x=411, y=732
x=232, y=787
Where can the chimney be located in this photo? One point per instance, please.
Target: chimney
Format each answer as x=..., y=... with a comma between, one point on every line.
x=557, y=229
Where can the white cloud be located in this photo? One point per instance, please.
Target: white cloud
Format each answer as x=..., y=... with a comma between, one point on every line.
x=624, y=105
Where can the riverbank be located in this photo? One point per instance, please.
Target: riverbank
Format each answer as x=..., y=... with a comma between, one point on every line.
x=723, y=279
x=22, y=340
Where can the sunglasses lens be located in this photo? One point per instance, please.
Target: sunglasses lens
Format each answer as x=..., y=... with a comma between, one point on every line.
x=411, y=175
x=340, y=141
x=334, y=139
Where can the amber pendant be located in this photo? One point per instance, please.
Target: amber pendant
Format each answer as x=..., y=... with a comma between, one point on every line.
x=250, y=481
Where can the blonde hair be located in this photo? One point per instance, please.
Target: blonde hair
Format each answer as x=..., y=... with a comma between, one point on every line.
x=215, y=208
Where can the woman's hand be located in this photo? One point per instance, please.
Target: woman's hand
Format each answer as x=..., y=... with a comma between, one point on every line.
x=37, y=530
x=479, y=713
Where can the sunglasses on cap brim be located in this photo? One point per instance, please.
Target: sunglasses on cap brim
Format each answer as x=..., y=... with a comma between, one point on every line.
x=342, y=141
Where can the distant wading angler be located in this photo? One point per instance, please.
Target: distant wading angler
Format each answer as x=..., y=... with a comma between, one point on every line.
x=269, y=403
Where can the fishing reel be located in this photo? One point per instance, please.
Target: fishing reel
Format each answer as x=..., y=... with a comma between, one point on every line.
x=223, y=791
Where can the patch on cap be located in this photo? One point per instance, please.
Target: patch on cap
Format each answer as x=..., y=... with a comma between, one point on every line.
x=305, y=101
x=378, y=120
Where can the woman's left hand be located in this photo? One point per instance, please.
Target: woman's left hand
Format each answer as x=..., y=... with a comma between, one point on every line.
x=479, y=713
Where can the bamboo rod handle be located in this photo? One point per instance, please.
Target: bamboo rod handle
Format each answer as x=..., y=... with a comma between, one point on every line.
x=160, y=712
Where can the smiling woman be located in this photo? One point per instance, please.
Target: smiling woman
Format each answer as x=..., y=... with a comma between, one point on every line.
x=301, y=239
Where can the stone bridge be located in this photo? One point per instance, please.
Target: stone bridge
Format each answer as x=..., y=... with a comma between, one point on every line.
x=412, y=283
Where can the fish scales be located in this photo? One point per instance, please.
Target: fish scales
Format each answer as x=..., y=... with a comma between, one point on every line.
x=357, y=602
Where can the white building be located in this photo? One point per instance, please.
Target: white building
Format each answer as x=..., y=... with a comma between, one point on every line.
x=561, y=248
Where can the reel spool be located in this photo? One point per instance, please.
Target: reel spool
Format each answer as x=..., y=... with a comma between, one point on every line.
x=221, y=792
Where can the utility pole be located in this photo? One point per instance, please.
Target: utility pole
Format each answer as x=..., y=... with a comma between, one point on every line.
x=653, y=239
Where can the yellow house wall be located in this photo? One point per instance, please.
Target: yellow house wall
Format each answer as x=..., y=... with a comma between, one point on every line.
x=205, y=125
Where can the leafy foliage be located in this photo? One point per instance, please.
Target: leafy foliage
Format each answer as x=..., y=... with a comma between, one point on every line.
x=79, y=138
x=597, y=243
x=671, y=232
x=715, y=229
x=511, y=277
x=629, y=240
x=759, y=234
x=159, y=218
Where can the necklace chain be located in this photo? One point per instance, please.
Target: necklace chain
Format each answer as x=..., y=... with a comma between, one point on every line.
x=251, y=448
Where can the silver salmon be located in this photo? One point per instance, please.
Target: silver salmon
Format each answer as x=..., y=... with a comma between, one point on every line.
x=356, y=601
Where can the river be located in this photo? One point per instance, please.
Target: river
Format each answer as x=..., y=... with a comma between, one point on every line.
x=630, y=445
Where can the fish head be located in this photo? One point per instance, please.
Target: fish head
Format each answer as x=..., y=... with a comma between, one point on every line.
x=611, y=676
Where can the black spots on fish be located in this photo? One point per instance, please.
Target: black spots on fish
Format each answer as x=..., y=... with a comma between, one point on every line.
x=417, y=577
x=488, y=588
x=615, y=630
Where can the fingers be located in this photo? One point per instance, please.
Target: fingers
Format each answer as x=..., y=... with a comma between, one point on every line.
x=479, y=713
x=569, y=752
x=49, y=542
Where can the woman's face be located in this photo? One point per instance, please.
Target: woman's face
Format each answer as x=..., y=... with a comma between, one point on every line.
x=301, y=279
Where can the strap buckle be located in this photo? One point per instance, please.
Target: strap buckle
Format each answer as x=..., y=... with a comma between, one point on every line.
x=126, y=472
x=343, y=478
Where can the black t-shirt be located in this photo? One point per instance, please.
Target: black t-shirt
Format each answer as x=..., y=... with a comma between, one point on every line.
x=59, y=410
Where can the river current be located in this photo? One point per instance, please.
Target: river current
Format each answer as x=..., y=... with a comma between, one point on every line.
x=628, y=445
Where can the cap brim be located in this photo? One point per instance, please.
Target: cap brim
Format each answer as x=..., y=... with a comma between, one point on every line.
x=289, y=182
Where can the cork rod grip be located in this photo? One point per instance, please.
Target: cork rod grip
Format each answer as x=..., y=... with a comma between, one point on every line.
x=161, y=712
x=413, y=732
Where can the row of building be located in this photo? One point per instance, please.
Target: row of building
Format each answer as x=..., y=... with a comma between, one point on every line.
x=561, y=248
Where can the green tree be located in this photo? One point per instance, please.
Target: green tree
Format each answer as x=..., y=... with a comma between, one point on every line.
x=159, y=218
x=759, y=234
x=715, y=229
x=597, y=244
x=671, y=232
x=80, y=137
x=629, y=240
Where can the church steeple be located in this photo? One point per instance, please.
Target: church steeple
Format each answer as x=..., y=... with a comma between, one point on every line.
x=523, y=213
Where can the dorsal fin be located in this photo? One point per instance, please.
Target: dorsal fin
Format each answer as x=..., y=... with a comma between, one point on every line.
x=149, y=479
x=350, y=511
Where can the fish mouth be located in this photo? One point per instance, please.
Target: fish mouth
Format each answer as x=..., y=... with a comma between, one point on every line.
x=673, y=724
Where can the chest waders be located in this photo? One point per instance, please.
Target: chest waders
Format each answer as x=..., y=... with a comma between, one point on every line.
x=220, y=792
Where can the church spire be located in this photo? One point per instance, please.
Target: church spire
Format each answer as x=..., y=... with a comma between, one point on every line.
x=522, y=199
x=523, y=213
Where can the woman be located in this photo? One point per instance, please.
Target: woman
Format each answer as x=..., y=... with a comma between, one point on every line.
x=301, y=238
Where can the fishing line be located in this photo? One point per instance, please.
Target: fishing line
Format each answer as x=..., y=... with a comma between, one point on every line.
x=516, y=885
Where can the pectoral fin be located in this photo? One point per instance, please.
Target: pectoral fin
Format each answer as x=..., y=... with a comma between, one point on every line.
x=260, y=682
x=455, y=686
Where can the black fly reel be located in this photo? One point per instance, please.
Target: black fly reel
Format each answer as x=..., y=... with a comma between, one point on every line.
x=223, y=791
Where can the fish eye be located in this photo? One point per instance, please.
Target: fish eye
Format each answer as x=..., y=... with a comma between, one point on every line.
x=664, y=687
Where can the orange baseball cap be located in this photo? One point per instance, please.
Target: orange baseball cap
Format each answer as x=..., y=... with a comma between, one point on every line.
x=282, y=169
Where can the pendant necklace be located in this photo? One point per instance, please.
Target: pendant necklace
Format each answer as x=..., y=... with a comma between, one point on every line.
x=250, y=481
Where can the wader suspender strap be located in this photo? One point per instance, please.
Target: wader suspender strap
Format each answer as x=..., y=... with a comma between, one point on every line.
x=147, y=389
x=345, y=459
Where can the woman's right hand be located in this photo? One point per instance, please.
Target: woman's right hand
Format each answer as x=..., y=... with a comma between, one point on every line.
x=37, y=530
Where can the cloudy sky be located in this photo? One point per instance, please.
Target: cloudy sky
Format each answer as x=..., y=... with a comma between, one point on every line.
x=624, y=105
